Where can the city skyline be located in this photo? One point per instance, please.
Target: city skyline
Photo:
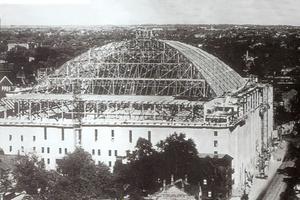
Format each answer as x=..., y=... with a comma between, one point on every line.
x=131, y=12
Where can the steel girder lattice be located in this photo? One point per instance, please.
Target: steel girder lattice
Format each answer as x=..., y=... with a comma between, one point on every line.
x=135, y=67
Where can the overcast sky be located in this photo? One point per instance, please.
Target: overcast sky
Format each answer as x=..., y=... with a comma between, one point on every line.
x=123, y=12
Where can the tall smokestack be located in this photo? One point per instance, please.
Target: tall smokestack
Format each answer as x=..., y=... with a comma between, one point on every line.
x=172, y=179
x=186, y=178
x=164, y=184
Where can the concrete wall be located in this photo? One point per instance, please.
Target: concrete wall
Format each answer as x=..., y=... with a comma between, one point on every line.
x=11, y=141
x=239, y=143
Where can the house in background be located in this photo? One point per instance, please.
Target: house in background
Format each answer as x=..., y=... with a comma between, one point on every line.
x=5, y=85
x=172, y=192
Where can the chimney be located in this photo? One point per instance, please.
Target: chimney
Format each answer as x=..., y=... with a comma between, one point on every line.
x=186, y=178
x=172, y=179
x=164, y=184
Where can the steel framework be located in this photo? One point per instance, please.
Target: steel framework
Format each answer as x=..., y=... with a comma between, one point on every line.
x=139, y=79
x=143, y=67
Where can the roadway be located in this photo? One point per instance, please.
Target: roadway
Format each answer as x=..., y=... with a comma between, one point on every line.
x=277, y=185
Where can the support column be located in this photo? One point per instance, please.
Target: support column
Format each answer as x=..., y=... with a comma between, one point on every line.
x=5, y=114
x=62, y=110
x=29, y=110
x=40, y=111
x=154, y=111
x=18, y=109
x=84, y=109
x=47, y=109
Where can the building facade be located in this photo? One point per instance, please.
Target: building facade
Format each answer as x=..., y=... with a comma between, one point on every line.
x=108, y=97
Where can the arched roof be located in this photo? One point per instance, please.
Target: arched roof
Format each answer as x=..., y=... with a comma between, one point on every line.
x=218, y=75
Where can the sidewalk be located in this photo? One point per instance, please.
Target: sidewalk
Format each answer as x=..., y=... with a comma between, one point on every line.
x=259, y=185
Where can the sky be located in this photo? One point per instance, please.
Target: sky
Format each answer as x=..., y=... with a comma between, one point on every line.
x=128, y=12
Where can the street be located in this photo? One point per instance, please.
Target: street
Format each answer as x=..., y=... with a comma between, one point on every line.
x=277, y=185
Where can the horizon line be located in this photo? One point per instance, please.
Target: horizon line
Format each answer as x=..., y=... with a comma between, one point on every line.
x=153, y=24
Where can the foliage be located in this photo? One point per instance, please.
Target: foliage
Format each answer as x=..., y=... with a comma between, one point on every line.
x=30, y=175
x=147, y=167
x=77, y=177
x=5, y=182
x=80, y=178
x=18, y=55
x=177, y=155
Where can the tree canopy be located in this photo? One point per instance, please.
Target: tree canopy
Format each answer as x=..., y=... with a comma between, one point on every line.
x=30, y=175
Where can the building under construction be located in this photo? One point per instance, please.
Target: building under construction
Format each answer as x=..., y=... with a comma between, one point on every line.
x=108, y=97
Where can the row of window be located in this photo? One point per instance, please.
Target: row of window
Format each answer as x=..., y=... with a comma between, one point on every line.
x=34, y=137
x=113, y=135
x=79, y=135
x=66, y=150
x=42, y=149
x=99, y=162
x=109, y=163
x=48, y=160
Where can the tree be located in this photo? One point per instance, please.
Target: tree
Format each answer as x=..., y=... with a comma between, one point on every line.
x=5, y=182
x=18, y=55
x=138, y=177
x=143, y=149
x=81, y=178
x=120, y=179
x=3, y=46
x=30, y=175
x=178, y=155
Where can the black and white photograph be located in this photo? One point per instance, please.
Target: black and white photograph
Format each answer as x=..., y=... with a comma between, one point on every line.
x=149, y=100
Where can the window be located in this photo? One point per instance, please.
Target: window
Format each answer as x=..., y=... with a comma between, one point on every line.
x=62, y=134
x=33, y=148
x=33, y=138
x=209, y=194
x=149, y=136
x=215, y=133
x=127, y=153
x=109, y=152
x=116, y=152
x=45, y=133
x=10, y=137
x=48, y=150
x=99, y=162
x=109, y=163
x=66, y=150
x=215, y=143
x=60, y=150
x=22, y=148
x=10, y=148
x=93, y=151
x=96, y=134
x=130, y=136
x=22, y=138
x=204, y=182
x=48, y=160
x=99, y=152
x=216, y=152
x=43, y=160
x=79, y=136
x=112, y=134
x=43, y=149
